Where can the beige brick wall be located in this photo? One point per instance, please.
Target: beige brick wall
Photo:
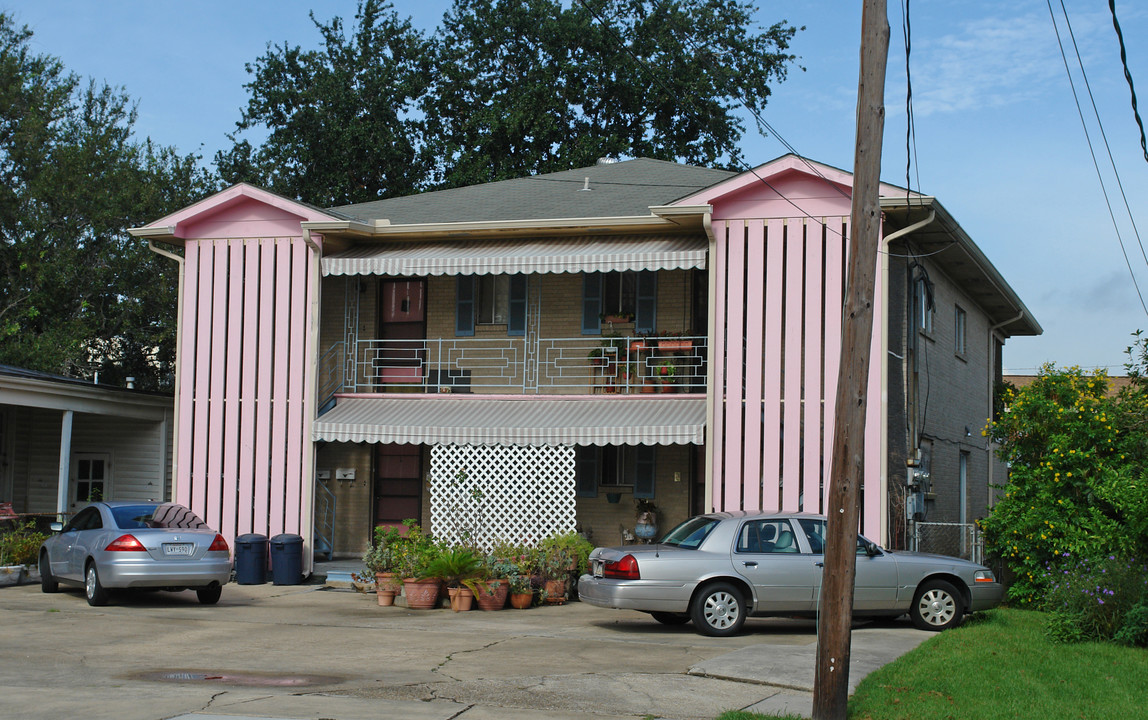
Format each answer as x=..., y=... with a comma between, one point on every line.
x=352, y=498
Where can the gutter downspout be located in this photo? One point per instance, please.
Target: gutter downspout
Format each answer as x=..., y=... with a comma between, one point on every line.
x=713, y=394
x=169, y=490
x=884, y=454
x=307, y=518
x=992, y=391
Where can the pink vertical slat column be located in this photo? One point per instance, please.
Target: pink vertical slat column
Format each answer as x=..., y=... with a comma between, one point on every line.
x=754, y=344
x=300, y=303
x=791, y=445
x=265, y=337
x=204, y=369
x=281, y=365
x=735, y=346
x=181, y=492
x=718, y=338
x=836, y=244
x=814, y=352
x=234, y=368
x=220, y=362
x=774, y=345
x=249, y=343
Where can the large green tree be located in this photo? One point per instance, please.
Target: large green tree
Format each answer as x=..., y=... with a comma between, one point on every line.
x=77, y=295
x=526, y=86
x=339, y=119
x=504, y=88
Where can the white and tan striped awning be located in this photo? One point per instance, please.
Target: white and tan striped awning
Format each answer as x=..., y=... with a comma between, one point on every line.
x=612, y=253
x=594, y=420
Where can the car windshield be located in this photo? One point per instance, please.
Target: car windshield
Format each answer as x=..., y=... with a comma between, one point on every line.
x=691, y=533
x=168, y=515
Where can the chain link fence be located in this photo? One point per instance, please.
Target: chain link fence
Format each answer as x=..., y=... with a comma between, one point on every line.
x=961, y=540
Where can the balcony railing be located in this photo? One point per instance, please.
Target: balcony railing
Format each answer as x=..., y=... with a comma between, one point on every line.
x=517, y=365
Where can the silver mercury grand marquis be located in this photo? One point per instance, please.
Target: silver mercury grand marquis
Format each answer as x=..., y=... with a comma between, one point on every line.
x=717, y=569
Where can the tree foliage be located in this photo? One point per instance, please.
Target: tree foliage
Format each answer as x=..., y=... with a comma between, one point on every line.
x=339, y=119
x=503, y=89
x=77, y=295
x=1076, y=484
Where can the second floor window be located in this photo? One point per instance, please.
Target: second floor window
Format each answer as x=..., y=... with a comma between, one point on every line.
x=959, y=322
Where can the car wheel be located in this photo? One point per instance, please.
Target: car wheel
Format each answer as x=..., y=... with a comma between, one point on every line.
x=718, y=610
x=96, y=593
x=48, y=583
x=209, y=595
x=936, y=606
x=668, y=618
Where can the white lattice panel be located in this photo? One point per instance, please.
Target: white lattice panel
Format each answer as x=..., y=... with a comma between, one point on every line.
x=484, y=493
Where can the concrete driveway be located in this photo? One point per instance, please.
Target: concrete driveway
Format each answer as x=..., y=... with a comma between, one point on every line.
x=309, y=652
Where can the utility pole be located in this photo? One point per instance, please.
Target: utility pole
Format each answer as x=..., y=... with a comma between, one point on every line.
x=831, y=681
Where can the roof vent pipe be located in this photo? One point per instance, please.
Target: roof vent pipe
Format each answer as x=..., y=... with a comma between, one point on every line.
x=607, y=160
x=131, y=382
x=585, y=185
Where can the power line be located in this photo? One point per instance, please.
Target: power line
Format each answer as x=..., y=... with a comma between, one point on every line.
x=1092, y=152
x=1128, y=77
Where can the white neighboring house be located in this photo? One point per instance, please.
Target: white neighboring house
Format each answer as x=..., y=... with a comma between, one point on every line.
x=66, y=442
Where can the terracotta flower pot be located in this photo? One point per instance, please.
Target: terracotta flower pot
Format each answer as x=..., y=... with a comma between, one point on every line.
x=461, y=598
x=555, y=592
x=421, y=594
x=521, y=601
x=387, y=586
x=493, y=594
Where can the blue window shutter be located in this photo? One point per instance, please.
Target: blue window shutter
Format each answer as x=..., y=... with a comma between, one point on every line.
x=644, y=471
x=591, y=303
x=587, y=466
x=645, y=312
x=464, y=305
x=516, y=322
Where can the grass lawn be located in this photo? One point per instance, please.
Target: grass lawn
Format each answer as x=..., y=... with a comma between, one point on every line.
x=1000, y=665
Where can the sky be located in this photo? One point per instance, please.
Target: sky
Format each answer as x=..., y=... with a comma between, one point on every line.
x=999, y=140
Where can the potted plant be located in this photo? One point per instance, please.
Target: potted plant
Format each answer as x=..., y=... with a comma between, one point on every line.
x=618, y=317
x=666, y=372
x=417, y=551
x=460, y=569
x=382, y=561
x=493, y=591
x=19, y=550
x=673, y=341
x=521, y=591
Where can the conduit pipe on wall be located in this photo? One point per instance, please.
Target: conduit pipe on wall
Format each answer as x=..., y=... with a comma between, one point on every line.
x=992, y=395
x=178, y=345
x=884, y=329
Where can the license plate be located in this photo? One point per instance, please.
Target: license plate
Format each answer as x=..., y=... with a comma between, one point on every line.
x=178, y=548
x=597, y=571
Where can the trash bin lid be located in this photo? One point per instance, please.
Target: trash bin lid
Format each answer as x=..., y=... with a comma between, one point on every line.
x=251, y=538
x=287, y=539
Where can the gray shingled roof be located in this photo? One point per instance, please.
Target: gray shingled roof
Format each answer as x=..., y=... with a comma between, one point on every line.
x=621, y=189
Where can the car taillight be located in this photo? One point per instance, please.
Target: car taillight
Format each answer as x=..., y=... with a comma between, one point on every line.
x=218, y=544
x=125, y=543
x=624, y=569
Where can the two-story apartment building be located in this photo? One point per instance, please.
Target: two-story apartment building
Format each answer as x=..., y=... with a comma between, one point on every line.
x=518, y=358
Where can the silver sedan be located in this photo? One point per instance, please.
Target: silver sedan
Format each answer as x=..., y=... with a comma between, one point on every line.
x=720, y=568
x=135, y=545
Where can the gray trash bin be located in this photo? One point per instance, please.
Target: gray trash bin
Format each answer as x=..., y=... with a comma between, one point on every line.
x=287, y=559
x=251, y=559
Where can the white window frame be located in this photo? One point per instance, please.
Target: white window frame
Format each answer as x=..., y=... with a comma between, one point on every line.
x=924, y=312
x=75, y=480
x=492, y=301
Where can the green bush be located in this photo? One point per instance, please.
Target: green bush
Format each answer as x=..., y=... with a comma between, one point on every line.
x=1090, y=599
x=21, y=545
x=1075, y=482
x=1134, y=632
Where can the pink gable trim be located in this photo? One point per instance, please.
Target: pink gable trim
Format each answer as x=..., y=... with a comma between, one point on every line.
x=241, y=211
x=789, y=186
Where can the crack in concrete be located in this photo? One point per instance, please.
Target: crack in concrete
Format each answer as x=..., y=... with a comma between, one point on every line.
x=450, y=657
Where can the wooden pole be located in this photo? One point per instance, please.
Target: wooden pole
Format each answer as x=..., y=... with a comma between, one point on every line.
x=835, y=609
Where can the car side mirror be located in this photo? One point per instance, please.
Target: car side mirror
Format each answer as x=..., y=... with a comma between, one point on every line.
x=872, y=550
x=56, y=526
